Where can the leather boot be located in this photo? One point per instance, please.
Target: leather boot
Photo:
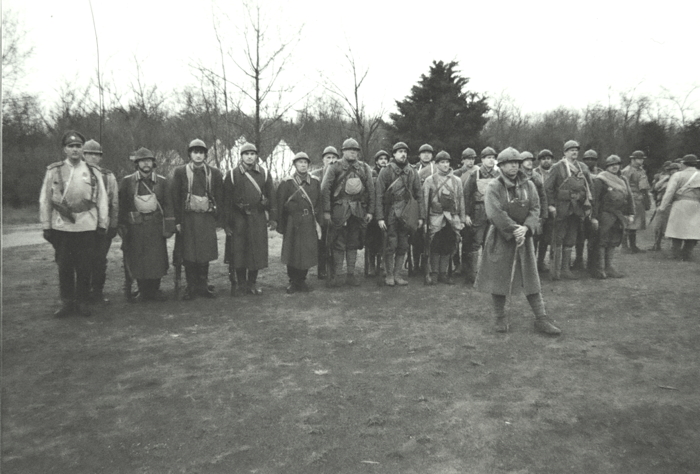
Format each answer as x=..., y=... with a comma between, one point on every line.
x=443, y=276
x=542, y=267
x=66, y=309
x=471, y=261
x=499, y=310
x=687, y=250
x=565, y=263
x=578, y=261
x=372, y=260
x=542, y=323
x=597, y=271
x=398, y=265
x=609, y=269
x=555, y=272
x=389, y=278
x=633, y=243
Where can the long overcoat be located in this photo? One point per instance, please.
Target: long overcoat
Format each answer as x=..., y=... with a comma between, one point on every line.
x=683, y=197
x=639, y=184
x=246, y=212
x=298, y=220
x=612, y=202
x=499, y=248
x=145, y=236
x=199, y=239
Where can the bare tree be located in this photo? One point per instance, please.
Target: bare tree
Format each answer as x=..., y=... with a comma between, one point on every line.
x=15, y=52
x=365, y=124
x=682, y=102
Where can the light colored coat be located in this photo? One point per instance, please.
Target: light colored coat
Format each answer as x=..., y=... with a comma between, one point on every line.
x=499, y=248
x=683, y=197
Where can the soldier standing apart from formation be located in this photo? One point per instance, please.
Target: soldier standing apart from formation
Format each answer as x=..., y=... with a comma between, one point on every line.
x=586, y=232
x=249, y=208
x=348, y=203
x=373, y=242
x=544, y=239
x=444, y=202
x=613, y=207
x=146, y=221
x=568, y=189
x=396, y=185
x=476, y=221
x=658, y=190
x=639, y=183
x=330, y=156
x=508, y=265
x=468, y=160
x=425, y=167
x=683, y=198
x=92, y=152
x=73, y=209
x=197, y=198
x=299, y=205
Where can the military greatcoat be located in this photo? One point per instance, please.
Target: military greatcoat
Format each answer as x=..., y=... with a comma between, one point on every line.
x=499, y=248
x=683, y=197
x=639, y=184
x=300, y=214
x=612, y=202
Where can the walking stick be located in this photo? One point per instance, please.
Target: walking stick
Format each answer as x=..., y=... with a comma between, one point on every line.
x=427, y=241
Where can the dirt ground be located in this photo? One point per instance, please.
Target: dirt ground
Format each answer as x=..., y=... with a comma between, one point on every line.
x=369, y=380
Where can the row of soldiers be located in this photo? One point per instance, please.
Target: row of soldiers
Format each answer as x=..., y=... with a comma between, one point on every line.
x=339, y=207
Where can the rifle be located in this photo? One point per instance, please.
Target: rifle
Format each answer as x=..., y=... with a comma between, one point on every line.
x=177, y=263
x=428, y=240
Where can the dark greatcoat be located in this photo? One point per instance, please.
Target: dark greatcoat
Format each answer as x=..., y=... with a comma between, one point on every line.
x=569, y=195
x=499, y=248
x=144, y=243
x=245, y=215
x=612, y=202
x=199, y=239
x=337, y=201
x=298, y=220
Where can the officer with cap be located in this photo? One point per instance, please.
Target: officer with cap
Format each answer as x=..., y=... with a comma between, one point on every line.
x=544, y=239
x=329, y=156
x=250, y=207
x=146, y=221
x=586, y=232
x=613, y=207
x=92, y=153
x=397, y=184
x=73, y=208
x=373, y=240
x=299, y=204
x=197, y=196
x=683, y=199
x=468, y=160
x=639, y=183
x=508, y=264
x=474, y=190
x=569, y=197
x=444, y=204
x=658, y=190
x=348, y=198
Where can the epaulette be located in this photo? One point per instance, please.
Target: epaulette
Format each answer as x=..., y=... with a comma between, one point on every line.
x=54, y=165
x=287, y=178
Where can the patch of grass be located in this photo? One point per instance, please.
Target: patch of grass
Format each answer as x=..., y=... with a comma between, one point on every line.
x=20, y=215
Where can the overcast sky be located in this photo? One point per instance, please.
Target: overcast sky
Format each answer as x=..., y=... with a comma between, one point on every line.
x=543, y=54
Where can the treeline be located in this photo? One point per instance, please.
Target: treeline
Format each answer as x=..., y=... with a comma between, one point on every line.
x=166, y=123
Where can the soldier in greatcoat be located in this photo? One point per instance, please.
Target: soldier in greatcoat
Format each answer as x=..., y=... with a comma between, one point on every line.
x=73, y=210
x=397, y=183
x=569, y=197
x=329, y=156
x=197, y=198
x=374, y=238
x=348, y=202
x=424, y=167
x=639, y=183
x=92, y=152
x=658, y=190
x=508, y=265
x=299, y=205
x=544, y=240
x=683, y=198
x=146, y=221
x=250, y=207
x=468, y=166
x=474, y=189
x=443, y=201
x=586, y=232
x=613, y=207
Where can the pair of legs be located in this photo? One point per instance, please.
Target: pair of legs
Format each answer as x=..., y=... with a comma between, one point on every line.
x=542, y=323
x=247, y=282
x=348, y=239
x=564, y=237
x=297, y=279
x=197, y=276
x=442, y=247
x=74, y=254
x=682, y=249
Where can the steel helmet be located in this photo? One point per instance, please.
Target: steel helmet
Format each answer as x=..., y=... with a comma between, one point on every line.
x=469, y=153
x=351, y=144
x=330, y=150
x=509, y=154
x=590, y=155
x=143, y=154
x=400, y=146
x=301, y=156
x=571, y=144
x=442, y=156
x=91, y=146
x=425, y=147
x=488, y=151
x=612, y=160
x=379, y=154
x=638, y=154
x=526, y=155
x=544, y=154
x=248, y=147
x=196, y=143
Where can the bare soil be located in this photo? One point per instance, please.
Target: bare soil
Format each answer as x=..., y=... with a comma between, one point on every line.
x=365, y=380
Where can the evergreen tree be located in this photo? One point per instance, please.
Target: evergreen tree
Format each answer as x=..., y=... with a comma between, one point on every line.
x=441, y=112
